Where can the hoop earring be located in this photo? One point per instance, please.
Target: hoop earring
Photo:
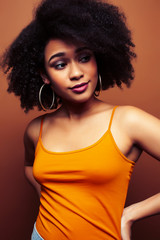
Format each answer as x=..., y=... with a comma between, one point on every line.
x=97, y=93
x=40, y=100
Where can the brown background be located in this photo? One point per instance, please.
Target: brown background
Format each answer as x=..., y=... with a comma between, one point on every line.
x=18, y=201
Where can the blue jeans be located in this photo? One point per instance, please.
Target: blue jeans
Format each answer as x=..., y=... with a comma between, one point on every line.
x=35, y=234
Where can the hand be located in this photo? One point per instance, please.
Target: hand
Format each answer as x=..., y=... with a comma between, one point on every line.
x=126, y=225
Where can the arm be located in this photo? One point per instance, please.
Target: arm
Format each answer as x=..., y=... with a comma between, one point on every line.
x=31, y=179
x=144, y=130
x=30, y=139
x=148, y=207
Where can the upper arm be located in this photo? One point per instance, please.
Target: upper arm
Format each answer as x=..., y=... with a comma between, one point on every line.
x=29, y=149
x=31, y=136
x=31, y=179
x=144, y=130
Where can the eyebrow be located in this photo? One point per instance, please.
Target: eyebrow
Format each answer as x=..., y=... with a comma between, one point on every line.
x=62, y=54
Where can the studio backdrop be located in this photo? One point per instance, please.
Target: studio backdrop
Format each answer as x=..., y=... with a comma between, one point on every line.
x=18, y=200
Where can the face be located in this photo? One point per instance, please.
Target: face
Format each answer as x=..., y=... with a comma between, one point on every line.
x=71, y=69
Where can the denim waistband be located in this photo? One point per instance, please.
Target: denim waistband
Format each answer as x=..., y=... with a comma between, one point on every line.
x=35, y=234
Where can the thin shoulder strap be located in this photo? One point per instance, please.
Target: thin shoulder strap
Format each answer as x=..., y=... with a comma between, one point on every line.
x=110, y=123
x=40, y=132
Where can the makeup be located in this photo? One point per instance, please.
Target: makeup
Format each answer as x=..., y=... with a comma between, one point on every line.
x=80, y=88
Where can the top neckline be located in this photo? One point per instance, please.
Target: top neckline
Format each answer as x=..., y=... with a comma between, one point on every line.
x=76, y=150
x=108, y=132
x=80, y=149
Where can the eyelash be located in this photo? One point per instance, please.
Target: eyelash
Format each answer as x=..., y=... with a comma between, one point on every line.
x=86, y=58
x=61, y=65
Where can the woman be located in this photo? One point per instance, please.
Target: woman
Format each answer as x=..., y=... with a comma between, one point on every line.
x=81, y=156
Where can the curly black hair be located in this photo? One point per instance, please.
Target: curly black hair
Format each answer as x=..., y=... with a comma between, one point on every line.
x=99, y=25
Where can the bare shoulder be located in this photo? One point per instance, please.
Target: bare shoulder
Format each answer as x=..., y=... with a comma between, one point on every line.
x=136, y=122
x=33, y=129
x=130, y=116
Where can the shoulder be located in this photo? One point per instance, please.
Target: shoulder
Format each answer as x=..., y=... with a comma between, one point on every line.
x=130, y=114
x=136, y=122
x=32, y=130
x=133, y=116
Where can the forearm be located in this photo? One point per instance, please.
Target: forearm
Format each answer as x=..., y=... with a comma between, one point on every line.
x=148, y=207
x=134, y=212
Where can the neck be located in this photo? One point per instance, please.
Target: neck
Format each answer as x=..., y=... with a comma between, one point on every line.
x=78, y=110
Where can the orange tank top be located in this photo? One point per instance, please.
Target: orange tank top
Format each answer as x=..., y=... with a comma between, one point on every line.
x=83, y=191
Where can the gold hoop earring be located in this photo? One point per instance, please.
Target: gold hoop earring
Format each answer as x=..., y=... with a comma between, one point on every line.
x=97, y=92
x=40, y=99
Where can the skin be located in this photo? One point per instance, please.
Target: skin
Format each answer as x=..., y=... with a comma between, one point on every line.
x=81, y=114
x=134, y=212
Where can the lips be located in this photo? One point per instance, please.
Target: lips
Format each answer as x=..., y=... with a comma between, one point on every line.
x=79, y=88
x=79, y=85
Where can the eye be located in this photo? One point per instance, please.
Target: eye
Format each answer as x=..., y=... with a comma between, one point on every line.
x=59, y=65
x=85, y=58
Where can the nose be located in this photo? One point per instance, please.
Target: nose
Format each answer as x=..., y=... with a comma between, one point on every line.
x=76, y=72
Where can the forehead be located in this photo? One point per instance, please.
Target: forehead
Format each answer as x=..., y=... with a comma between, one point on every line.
x=57, y=45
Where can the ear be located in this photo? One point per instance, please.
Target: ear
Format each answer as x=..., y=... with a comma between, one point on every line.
x=45, y=78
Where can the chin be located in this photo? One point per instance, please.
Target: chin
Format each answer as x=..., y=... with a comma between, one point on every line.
x=77, y=100
x=82, y=99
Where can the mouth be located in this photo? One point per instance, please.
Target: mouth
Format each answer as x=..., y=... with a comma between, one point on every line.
x=79, y=88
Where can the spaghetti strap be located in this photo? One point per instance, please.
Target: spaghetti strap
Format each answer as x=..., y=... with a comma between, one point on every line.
x=110, y=123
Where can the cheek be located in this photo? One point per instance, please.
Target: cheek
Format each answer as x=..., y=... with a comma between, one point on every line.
x=93, y=71
x=93, y=68
x=57, y=78
x=58, y=85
